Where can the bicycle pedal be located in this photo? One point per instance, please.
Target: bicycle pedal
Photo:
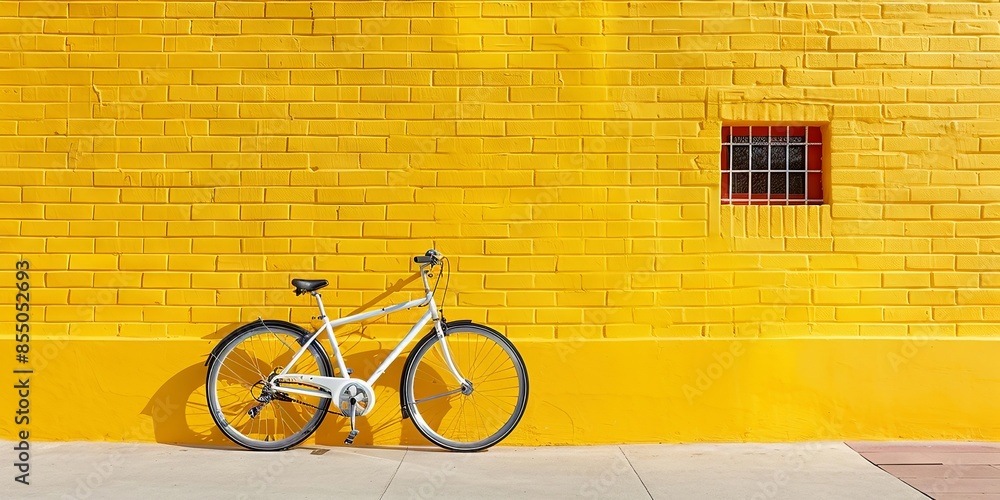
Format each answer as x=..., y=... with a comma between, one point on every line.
x=253, y=412
x=350, y=437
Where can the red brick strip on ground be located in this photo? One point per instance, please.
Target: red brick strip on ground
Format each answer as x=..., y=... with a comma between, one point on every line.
x=943, y=471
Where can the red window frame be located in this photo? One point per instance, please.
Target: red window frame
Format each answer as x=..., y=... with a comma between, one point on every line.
x=772, y=136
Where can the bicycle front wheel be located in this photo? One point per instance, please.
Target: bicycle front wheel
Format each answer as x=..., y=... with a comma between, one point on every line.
x=247, y=408
x=478, y=416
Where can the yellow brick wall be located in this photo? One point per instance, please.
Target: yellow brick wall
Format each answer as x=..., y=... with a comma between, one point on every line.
x=168, y=166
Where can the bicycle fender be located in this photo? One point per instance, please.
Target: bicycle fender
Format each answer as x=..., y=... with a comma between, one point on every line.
x=244, y=327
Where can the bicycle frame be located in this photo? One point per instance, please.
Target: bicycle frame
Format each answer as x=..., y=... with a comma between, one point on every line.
x=328, y=326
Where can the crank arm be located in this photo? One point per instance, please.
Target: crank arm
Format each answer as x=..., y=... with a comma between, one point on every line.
x=354, y=432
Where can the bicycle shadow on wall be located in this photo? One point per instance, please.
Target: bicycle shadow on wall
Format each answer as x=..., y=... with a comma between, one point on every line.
x=180, y=412
x=183, y=395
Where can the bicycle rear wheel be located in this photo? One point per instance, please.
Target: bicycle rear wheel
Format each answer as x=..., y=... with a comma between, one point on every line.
x=238, y=399
x=478, y=417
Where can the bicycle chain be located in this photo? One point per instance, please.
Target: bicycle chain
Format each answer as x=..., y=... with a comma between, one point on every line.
x=280, y=396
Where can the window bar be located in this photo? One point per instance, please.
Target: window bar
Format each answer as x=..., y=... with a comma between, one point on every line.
x=731, y=177
x=768, y=174
x=788, y=167
x=750, y=166
x=805, y=180
x=805, y=168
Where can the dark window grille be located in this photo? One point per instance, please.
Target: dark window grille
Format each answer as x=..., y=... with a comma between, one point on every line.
x=772, y=165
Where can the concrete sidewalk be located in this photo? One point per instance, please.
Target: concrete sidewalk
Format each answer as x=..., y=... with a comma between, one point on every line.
x=744, y=471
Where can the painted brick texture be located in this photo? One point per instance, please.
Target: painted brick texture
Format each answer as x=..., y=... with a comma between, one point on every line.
x=168, y=166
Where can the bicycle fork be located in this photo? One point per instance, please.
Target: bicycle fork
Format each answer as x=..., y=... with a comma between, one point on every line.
x=462, y=381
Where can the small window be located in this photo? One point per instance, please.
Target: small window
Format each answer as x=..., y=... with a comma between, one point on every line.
x=772, y=165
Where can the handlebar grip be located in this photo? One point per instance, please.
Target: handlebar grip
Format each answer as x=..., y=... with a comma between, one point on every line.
x=423, y=259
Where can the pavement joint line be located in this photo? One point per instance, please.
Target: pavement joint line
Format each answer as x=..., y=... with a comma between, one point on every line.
x=862, y=455
x=908, y=484
x=904, y=482
x=393, y=476
x=358, y=453
x=643, y=483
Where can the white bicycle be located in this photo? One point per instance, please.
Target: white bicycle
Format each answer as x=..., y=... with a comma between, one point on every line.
x=270, y=383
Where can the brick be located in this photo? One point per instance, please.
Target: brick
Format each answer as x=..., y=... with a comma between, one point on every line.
x=853, y=43
x=956, y=212
x=93, y=262
x=143, y=262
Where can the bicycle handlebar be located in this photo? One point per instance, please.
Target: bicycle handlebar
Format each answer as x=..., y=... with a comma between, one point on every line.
x=431, y=257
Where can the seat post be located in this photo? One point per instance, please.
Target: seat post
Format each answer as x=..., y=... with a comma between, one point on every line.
x=319, y=300
x=344, y=370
